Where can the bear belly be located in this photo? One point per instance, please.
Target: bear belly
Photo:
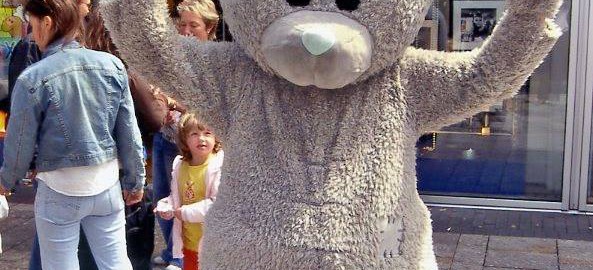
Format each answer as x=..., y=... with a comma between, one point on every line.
x=280, y=235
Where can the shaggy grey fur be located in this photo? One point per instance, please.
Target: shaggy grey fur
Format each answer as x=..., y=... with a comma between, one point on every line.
x=325, y=179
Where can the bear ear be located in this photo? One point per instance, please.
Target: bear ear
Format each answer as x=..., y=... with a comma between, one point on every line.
x=298, y=3
x=348, y=5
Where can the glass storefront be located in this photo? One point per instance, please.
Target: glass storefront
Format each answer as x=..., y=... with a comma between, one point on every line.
x=515, y=150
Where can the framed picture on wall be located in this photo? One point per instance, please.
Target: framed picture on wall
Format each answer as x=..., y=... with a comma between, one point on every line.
x=473, y=22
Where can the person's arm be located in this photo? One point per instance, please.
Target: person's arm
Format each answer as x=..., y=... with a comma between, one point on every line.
x=129, y=144
x=21, y=136
x=195, y=212
x=149, y=108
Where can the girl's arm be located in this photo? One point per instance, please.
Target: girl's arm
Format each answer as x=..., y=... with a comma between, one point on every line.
x=196, y=212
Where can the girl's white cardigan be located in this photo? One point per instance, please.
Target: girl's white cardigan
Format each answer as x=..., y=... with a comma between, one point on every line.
x=195, y=212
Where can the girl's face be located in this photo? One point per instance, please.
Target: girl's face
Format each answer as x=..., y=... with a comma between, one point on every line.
x=192, y=24
x=201, y=144
x=42, y=30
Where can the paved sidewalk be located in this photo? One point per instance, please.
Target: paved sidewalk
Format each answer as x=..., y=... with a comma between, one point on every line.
x=512, y=223
x=467, y=252
x=463, y=238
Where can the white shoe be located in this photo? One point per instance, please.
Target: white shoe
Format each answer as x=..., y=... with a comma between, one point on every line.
x=172, y=267
x=158, y=260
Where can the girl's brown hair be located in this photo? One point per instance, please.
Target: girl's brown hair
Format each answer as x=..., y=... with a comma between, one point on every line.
x=64, y=14
x=190, y=121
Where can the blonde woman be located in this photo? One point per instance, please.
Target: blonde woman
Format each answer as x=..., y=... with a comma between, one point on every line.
x=198, y=18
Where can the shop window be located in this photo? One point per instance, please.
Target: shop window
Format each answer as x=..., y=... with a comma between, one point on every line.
x=514, y=150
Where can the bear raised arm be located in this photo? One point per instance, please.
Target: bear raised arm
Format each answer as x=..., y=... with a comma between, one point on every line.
x=469, y=82
x=320, y=103
x=189, y=70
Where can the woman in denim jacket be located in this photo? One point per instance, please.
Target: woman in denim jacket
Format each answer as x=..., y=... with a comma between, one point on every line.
x=72, y=115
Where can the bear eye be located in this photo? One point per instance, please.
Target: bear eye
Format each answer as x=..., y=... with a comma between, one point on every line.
x=298, y=3
x=348, y=5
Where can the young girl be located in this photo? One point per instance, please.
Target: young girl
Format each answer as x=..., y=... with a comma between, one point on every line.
x=196, y=175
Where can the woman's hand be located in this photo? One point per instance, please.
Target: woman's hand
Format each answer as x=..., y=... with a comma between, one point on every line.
x=133, y=197
x=172, y=117
x=4, y=191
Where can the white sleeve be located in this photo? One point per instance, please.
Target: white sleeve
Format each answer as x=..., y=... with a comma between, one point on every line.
x=3, y=207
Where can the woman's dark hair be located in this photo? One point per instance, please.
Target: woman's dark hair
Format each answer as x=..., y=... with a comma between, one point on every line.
x=64, y=14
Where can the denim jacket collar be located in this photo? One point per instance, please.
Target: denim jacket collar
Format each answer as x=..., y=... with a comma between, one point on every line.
x=59, y=44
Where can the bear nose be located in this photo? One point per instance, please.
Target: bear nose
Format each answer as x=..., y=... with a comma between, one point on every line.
x=318, y=41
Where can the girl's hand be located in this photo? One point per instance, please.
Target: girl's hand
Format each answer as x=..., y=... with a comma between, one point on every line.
x=165, y=215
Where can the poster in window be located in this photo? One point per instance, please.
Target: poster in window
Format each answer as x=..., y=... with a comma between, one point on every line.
x=473, y=22
x=427, y=37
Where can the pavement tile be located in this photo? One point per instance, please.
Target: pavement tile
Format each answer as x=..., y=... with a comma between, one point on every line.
x=515, y=259
x=576, y=253
x=19, y=234
x=444, y=250
x=445, y=238
x=468, y=255
x=469, y=240
x=583, y=223
x=521, y=244
x=10, y=223
x=471, y=250
x=574, y=267
x=572, y=244
x=444, y=263
x=15, y=257
x=462, y=266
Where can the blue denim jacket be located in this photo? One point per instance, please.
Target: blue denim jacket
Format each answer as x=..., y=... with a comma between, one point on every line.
x=73, y=108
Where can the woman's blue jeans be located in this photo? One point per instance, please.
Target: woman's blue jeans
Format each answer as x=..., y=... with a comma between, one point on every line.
x=58, y=219
x=163, y=154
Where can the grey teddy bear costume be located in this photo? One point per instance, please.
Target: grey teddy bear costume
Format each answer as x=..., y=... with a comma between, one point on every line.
x=320, y=106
